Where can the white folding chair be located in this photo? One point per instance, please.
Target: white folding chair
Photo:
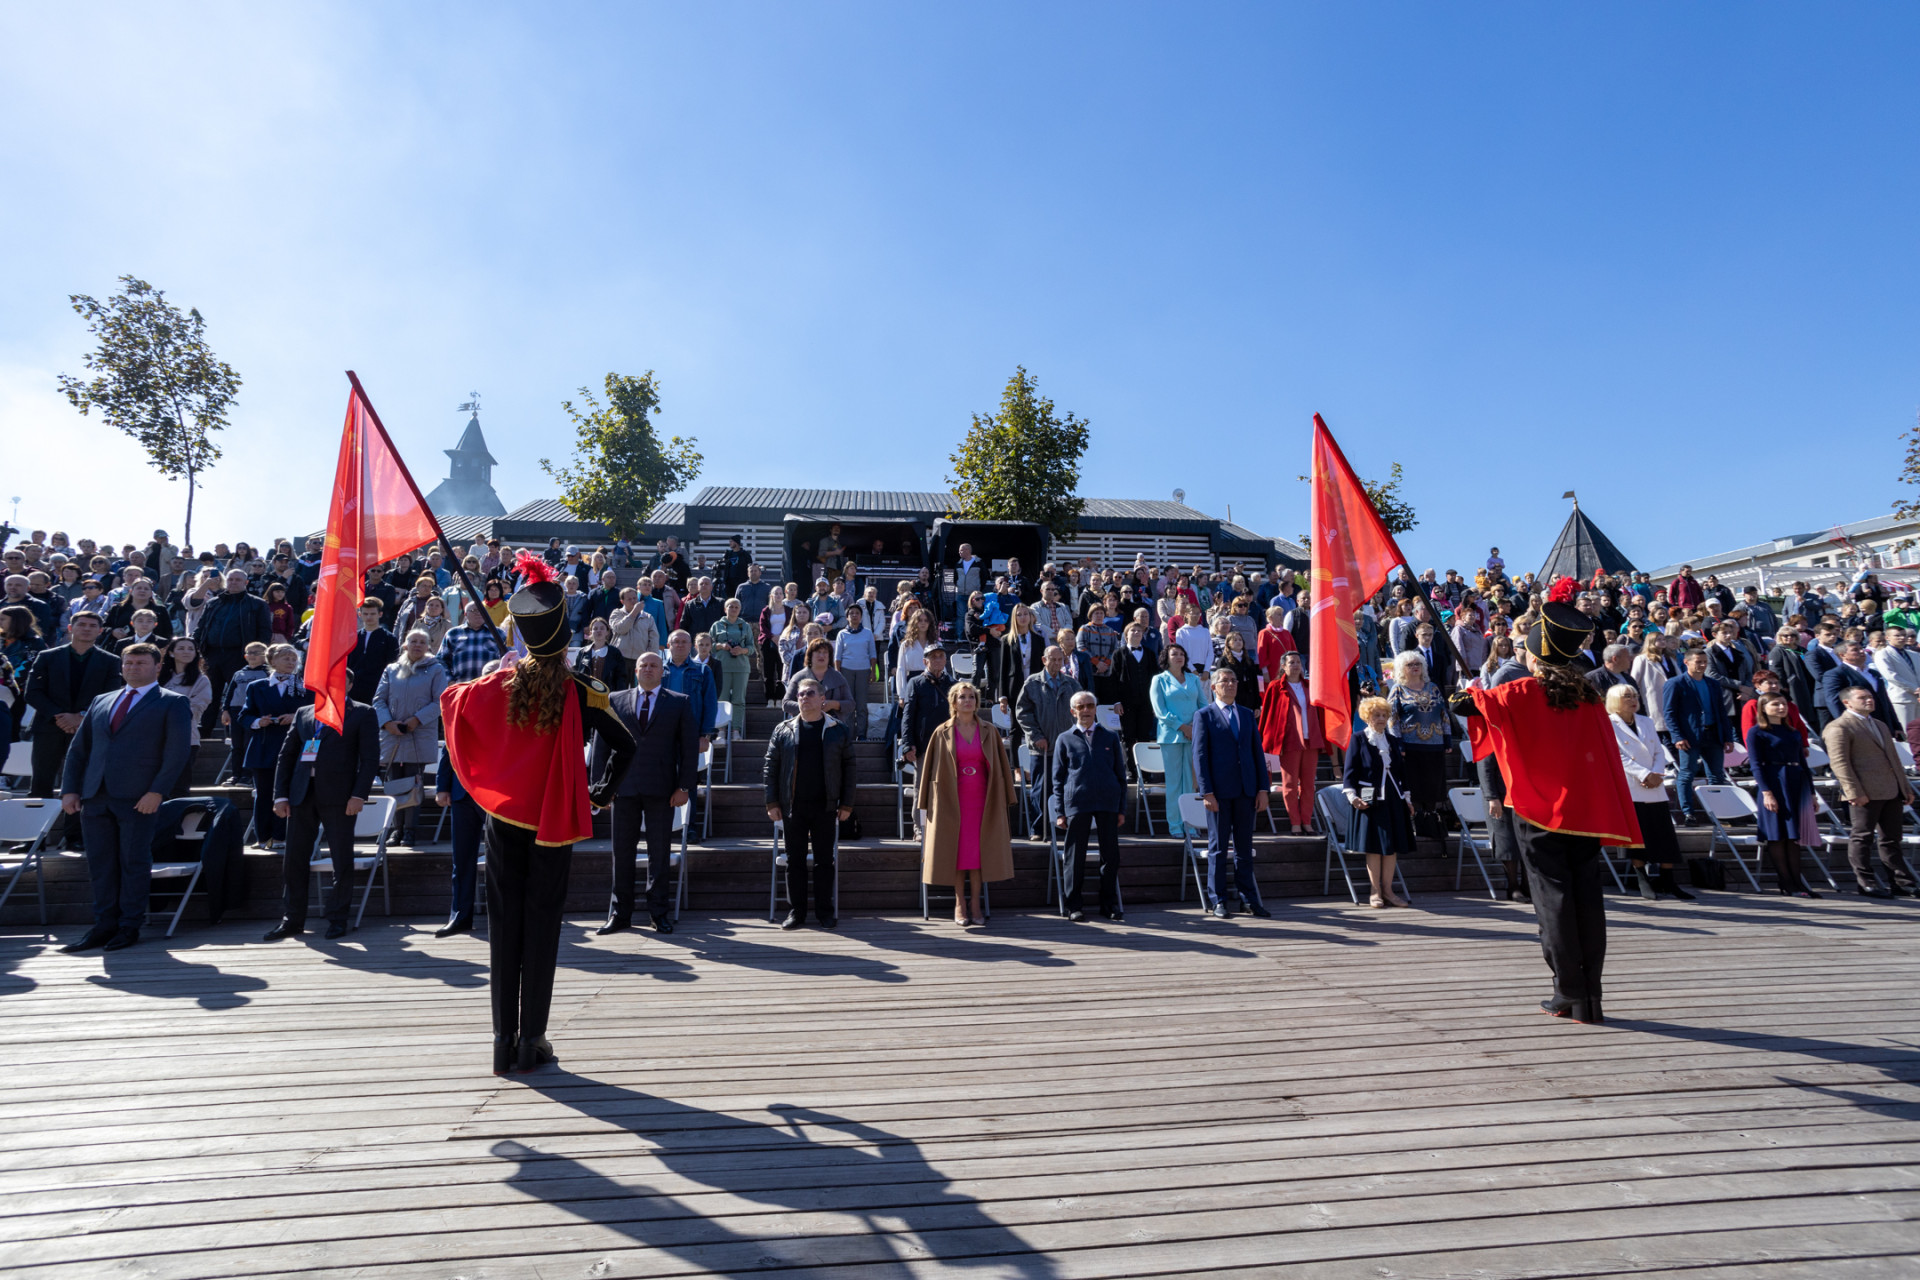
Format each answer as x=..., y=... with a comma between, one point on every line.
x=371, y=824
x=18, y=770
x=703, y=781
x=1470, y=806
x=1833, y=835
x=1339, y=817
x=24, y=824
x=1194, y=817
x=1150, y=763
x=1607, y=854
x=1906, y=755
x=723, y=737
x=1725, y=805
x=1817, y=755
x=775, y=894
x=962, y=665
x=191, y=829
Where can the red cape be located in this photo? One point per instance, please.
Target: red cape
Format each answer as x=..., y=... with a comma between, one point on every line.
x=520, y=776
x=1562, y=768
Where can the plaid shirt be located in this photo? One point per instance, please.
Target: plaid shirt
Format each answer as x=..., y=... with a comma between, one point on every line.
x=466, y=651
x=1099, y=642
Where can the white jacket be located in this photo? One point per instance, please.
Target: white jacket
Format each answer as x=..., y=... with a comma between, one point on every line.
x=1900, y=668
x=1642, y=756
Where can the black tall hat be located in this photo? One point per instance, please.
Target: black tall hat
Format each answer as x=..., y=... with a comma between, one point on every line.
x=540, y=618
x=539, y=609
x=1560, y=634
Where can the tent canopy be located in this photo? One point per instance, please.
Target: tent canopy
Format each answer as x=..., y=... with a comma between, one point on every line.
x=1582, y=550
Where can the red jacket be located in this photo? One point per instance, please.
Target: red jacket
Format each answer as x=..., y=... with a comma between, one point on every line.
x=1275, y=643
x=1280, y=726
x=1685, y=593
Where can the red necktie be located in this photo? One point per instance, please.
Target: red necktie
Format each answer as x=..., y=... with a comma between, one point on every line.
x=120, y=712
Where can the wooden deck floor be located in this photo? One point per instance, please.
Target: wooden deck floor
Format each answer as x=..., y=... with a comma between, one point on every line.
x=1334, y=1092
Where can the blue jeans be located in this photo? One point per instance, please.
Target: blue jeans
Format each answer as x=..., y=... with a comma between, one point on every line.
x=1232, y=824
x=1707, y=756
x=119, y=860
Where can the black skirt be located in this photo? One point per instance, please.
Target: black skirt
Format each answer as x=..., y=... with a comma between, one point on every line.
x=1426, y=769
x=1657, y=834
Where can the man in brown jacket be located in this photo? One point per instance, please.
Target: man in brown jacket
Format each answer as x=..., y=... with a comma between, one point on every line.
x=1874, y=784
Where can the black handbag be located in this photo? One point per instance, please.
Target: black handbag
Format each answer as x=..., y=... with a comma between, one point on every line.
x=1706, y=873
x=850, y=827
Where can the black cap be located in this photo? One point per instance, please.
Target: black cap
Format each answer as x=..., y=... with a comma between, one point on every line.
x=935, y=647
x=539, y=612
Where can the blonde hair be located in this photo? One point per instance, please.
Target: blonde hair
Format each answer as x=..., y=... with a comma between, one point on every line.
x=1618, y=694
x=1369, y=707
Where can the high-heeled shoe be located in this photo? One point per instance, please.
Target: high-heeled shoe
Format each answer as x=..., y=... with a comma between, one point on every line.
x=504, y=1048
x=1645, y=882
x=533, y=1055
x=1666, y=884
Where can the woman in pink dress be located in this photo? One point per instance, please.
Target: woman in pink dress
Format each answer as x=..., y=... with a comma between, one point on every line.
x=966, y=788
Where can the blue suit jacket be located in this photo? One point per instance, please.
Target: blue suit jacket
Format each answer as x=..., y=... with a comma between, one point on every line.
x=146, y=755
x=1690, y=722
x=1088, y=777
x=1227, y=758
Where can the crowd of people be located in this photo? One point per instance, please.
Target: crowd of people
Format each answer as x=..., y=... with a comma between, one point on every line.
x=962, y=676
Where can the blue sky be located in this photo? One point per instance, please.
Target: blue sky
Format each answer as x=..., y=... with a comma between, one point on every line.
x=1663, y=254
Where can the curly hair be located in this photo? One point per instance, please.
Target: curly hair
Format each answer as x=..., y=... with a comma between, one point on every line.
x=537, y=693
x=1565, y=688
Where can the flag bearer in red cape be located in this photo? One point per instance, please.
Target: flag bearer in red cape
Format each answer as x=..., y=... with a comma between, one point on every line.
x=516, y=739
x=1568, y=791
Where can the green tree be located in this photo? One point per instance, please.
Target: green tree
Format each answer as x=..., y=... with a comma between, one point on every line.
x=621, y=470
x=156, y=379
x=1022, y=463
x=1395, y=512
x=1907, y=509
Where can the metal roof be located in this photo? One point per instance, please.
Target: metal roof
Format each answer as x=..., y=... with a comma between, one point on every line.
x=846, y=500
x=552, y=511
x=1785, y=542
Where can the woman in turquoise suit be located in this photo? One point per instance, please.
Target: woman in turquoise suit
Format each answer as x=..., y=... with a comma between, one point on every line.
x=1177, y=696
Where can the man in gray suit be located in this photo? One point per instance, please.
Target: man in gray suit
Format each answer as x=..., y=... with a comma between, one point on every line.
x=126, y=755
x=657, y=781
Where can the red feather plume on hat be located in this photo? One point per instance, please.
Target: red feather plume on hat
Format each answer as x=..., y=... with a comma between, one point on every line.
x=532, y=568
x=1564, y=590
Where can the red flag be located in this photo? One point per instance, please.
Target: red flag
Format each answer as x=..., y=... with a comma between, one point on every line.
x=377, y=514
x=1352, y=555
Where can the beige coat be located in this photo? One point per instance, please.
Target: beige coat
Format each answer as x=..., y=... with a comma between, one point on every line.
x=1864, y=759
x=940, y=797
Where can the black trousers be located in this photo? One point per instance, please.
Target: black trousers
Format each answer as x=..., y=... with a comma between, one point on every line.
x=1506, y=841
x=526, y=893
x=220, y=665
x=1564, y=871
x=1079, y=828
x=628, y=813
x=820, y=831
x=306, y=822
x=1886, y=819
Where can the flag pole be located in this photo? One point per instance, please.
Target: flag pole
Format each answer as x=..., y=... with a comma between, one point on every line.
x=445, y=543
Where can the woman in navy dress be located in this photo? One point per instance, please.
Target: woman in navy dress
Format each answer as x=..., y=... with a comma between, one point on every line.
x=1376, y=765
x=267, y=710
x=1789, y=817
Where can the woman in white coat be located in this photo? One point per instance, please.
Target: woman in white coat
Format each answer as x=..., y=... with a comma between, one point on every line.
x=1645, y=762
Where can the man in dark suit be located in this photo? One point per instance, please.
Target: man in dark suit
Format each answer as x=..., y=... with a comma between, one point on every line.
x=658, y=781
x=320, y=784
x=61, y=685
x=1616, y=661
x=926, y=702
x=1789, y=661
x=1438, y=657
x=125, y=758
x=1821, y=657
x=1695, y=709
x=373, y=650
x=1089, y=768
x=1852, y=672
x=1231, y=771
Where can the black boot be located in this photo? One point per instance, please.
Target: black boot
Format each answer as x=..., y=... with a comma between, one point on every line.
x=533, y=1055
x=1666, y=884
x=504, y=1048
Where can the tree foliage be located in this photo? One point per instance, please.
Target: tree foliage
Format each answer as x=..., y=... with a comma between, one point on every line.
x=1022, y=463
x=156, y=379
x=1395, y=512
x=1907, y=509
x=621, y=470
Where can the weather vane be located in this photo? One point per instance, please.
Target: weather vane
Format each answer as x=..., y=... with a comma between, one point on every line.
x=472, y=406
